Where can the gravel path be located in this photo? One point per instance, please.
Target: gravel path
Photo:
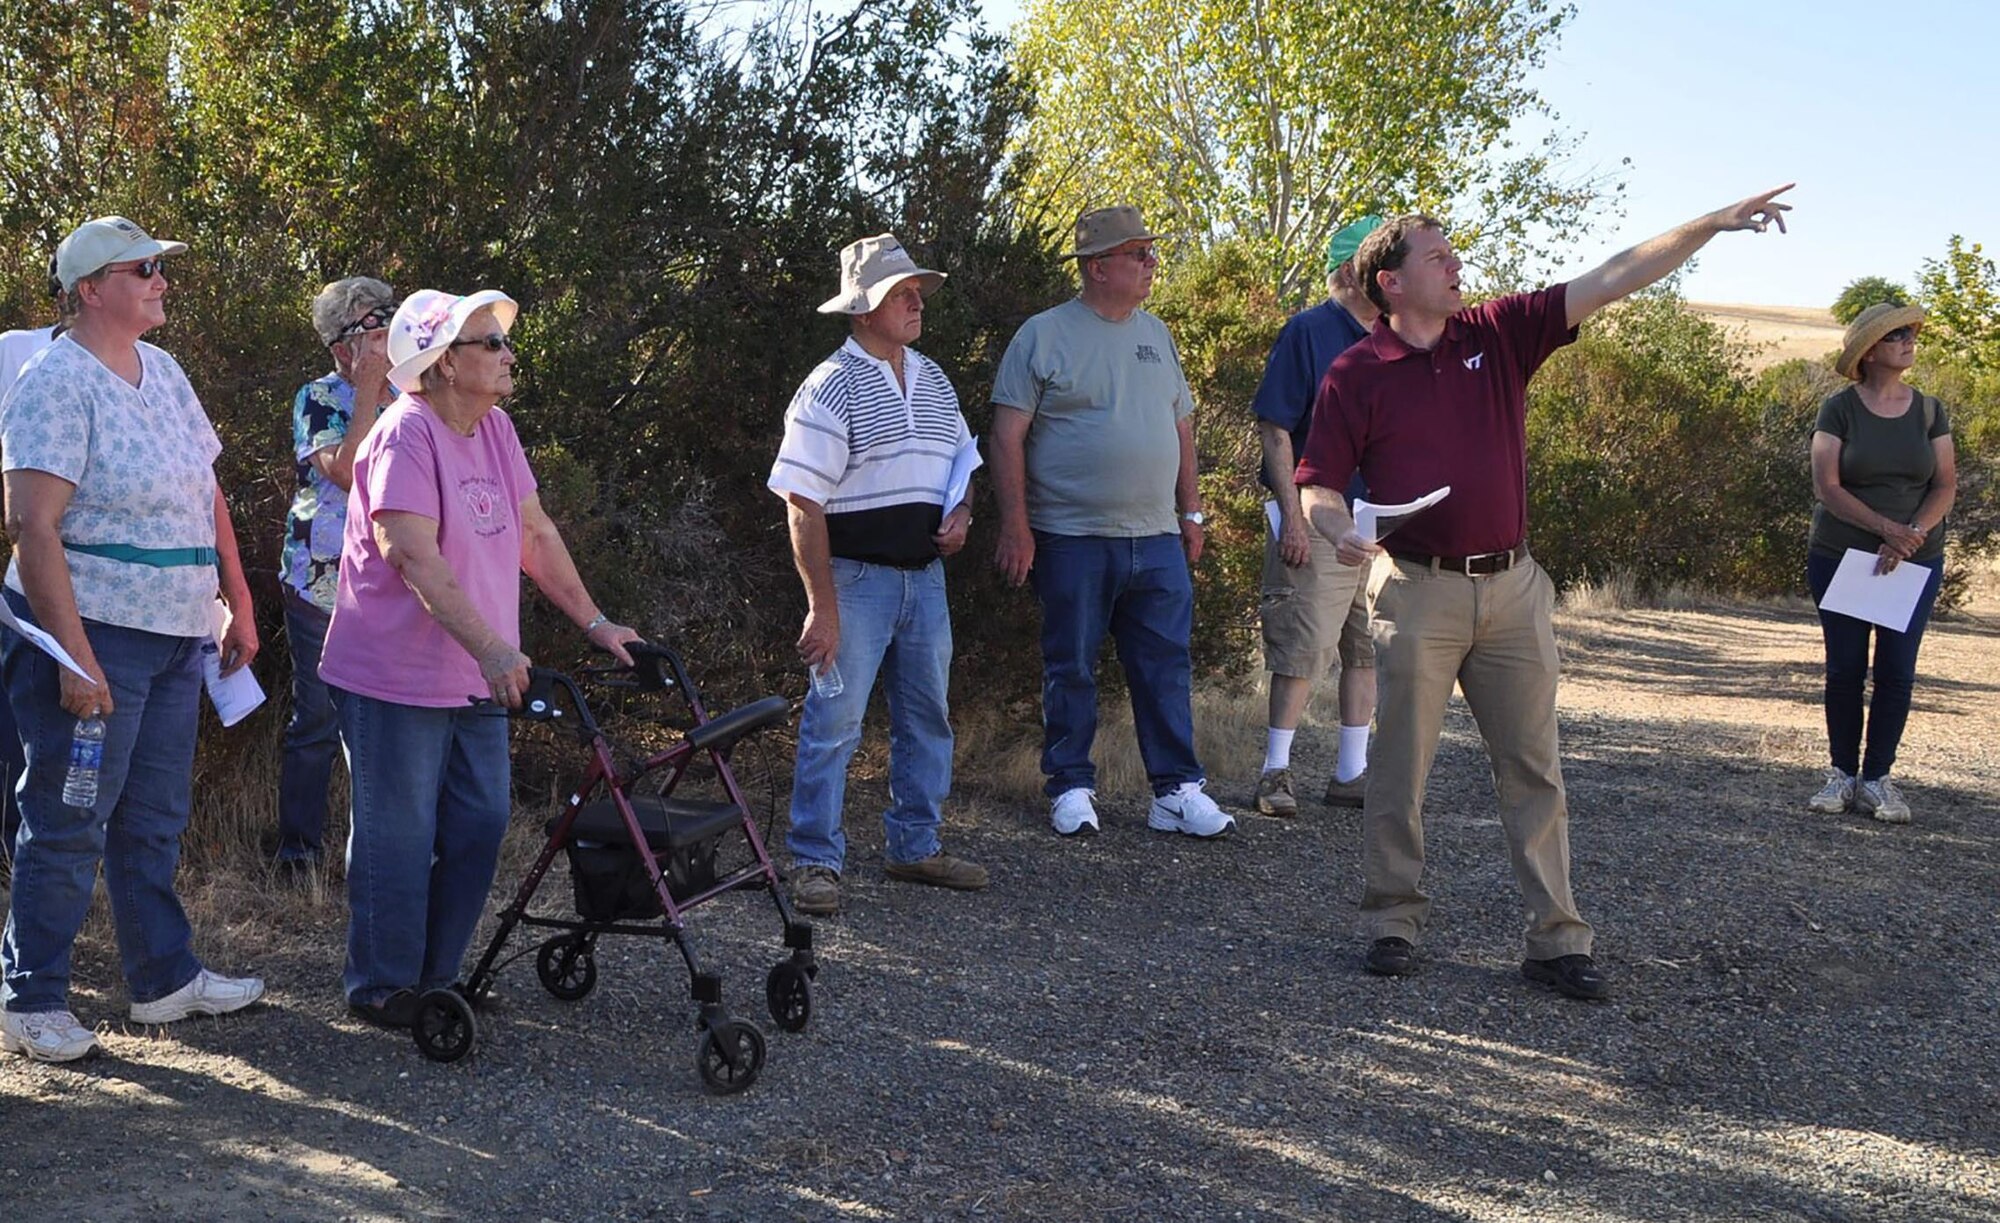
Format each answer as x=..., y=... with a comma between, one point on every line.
x=1140, y=1027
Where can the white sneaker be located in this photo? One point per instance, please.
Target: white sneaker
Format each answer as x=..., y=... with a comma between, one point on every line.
x=1881, y=799
x=45, y=1036
x=1186, y=809
x=208, y=994
x=1073, y=812
x=1836, y=796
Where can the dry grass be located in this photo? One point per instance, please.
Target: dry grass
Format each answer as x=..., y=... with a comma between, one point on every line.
x=1774, y=334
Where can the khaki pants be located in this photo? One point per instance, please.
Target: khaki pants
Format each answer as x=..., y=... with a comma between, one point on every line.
x=1493, y=637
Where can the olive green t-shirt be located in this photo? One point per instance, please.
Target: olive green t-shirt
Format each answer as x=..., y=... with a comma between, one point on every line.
x=1103, y=449
x=1888, y=464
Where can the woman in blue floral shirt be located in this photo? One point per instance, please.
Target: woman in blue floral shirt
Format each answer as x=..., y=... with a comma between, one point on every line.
x=330, y=417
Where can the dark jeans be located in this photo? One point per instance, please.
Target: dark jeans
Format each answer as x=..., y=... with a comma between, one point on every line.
x=312, y=737
x=1847, y=672
x=1137, y=590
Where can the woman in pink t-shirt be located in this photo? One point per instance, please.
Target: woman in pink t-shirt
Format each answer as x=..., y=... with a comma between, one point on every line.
x=442, y=521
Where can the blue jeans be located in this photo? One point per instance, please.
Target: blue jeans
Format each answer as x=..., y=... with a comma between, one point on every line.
x=893, y=622
x=1847, y=672
x=143, y=797
x=431, y=802
x=312, y=737
x=1139, y=591
x=12, y=765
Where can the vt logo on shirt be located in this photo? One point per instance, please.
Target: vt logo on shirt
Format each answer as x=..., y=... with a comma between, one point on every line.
x=1148, y=353
x=1473, y=361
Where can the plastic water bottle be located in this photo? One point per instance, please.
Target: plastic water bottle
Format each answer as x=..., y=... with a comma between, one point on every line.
x=826, y=680
x=86, y=759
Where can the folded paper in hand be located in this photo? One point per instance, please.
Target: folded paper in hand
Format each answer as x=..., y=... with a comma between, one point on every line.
x=1373, y=522
x=236, y=694
x=40, y=640
x=959, y=482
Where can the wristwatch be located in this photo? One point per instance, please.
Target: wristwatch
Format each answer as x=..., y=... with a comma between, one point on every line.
x=1194, y=516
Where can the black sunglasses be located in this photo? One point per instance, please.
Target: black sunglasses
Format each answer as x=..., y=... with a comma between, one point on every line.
x=491, y=343
x=1899, y=335
x=145, y=269
x=374, y=320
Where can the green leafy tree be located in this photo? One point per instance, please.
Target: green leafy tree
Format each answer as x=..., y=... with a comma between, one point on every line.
x=1863, y=292
x=1271, y=122
x=1961, y=299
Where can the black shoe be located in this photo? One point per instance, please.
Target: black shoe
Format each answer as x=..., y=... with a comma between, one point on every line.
x=297, y=872
x=1391, y=957
x=398, y=1010
x=1572, y=976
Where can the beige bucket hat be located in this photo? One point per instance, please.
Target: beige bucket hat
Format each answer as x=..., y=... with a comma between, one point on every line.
x=869, y=269
x=1867, y=330
x=1104, y=229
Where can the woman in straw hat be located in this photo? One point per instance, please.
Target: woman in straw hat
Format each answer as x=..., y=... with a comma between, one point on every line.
x=1885, y=474
x=442, y=521
x=122, y=541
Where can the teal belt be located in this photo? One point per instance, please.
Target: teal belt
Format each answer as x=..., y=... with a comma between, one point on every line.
x=158, y=558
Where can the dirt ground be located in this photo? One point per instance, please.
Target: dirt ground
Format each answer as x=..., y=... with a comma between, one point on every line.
x=1138, y=1027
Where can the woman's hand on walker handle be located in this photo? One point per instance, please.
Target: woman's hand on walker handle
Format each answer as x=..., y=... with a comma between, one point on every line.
x=506, y=672
x=612, y=638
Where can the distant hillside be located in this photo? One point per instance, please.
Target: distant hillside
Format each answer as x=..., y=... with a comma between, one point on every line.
x=1778, y=333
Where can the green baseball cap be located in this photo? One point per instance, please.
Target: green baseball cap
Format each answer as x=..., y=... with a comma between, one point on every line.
x=1347, y=240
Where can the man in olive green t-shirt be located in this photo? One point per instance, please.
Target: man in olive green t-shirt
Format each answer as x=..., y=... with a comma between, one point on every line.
x=1093, y=454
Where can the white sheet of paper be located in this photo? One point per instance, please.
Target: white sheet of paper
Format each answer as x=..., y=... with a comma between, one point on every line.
x=959, y=482
x=1888, y=599
x=41, y=640
x=234, y=696
x=1368, y=516
x=1272, y=516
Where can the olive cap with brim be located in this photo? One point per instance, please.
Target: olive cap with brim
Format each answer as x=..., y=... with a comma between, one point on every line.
x=870, y=269
x=98, y=244
x=1106, y=229
x=1867, y=330
x=1347, y=240
x=426, y=324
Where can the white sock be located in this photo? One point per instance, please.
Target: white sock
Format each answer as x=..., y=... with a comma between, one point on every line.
x=1353, y=753
x=1278, y=748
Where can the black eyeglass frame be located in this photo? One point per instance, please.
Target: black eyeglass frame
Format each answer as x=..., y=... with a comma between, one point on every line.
x=492, y=342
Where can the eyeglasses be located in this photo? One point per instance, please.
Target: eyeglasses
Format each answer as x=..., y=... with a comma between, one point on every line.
x=1144, y=254
x=374, y=320
x=1899, y=335
x=491, y=343
x=145, y=269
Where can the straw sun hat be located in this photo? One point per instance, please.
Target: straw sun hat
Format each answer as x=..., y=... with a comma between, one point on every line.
x=1867, y=330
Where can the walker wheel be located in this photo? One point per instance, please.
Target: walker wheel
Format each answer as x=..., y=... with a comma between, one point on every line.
x=729, y=1057
x=443, y=1026
x=566, y=966
x=788, y=990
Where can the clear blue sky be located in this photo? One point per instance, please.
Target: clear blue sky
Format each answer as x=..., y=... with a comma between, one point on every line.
x=1886, y=114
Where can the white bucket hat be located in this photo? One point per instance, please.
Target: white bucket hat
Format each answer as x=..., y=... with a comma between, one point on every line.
x=426, y=324
x=107, y=240
x=869, y=269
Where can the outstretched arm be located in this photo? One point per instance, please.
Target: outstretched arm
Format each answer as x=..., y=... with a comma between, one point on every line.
x=1632, y=270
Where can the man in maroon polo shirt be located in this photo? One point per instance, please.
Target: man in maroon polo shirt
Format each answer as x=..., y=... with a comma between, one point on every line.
x=1435, y=396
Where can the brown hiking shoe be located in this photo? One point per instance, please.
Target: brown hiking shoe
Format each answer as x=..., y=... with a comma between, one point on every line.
x=1274, y=794
x=816, y=890
x=1346, y=793
x=939, y=870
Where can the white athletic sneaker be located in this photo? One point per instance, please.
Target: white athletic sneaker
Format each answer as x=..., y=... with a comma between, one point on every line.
x=1073, y=814
x=1836, y=796
x=45, y=1036
x=208, y=994
x=1882, y=800
x=1186, y=809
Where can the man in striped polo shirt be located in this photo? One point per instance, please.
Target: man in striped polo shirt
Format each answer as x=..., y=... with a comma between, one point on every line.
x=868, y=448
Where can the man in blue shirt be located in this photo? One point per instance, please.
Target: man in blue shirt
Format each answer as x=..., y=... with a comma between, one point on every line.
x=1313, y=607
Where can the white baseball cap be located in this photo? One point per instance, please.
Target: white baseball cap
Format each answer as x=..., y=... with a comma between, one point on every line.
x=107, y=240
x=426, y=324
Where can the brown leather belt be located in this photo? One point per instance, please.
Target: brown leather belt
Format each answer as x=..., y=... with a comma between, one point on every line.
x=1482, y=565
